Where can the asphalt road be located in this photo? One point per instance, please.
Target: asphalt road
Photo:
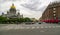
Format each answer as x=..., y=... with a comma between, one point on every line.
x=35, y=29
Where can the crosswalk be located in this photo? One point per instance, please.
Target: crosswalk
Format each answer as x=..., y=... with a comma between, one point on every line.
x=28, y=27
x=15, y=27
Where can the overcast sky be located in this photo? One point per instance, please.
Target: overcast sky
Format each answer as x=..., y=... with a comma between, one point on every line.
x=29, y=8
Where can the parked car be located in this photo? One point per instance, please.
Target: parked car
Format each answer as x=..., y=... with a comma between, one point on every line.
x=38, y=22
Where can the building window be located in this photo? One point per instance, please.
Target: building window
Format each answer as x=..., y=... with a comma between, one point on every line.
x=54, y=11
x=54, y=8
x=54, y=14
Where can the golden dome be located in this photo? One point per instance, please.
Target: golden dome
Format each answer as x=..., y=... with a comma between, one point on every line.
x=13, y=7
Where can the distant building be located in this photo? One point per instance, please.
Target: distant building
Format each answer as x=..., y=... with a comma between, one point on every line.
x=12, y=13
x=33, y=19
x=52, y=11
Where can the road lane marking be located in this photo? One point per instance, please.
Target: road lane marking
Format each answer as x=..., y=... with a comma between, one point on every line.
x=57, y=26
x=37, y=27
x=50, y=27
x=27, y=27
x=46, y=26
x=33, y=27
x=42, y=27
x=22, y=27
x=53, y=26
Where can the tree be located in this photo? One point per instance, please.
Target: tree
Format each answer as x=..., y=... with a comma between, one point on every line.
x=2, y=19
x=27, y=19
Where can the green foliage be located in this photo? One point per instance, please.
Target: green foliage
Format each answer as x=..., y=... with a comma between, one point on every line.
x=20, y=20
x=27, y=19
x=3, y=18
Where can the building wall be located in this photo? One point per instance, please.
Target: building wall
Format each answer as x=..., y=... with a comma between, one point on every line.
x=52, y=12
x=58, y=13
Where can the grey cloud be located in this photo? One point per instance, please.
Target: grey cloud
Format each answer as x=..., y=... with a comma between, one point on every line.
x=1, y=1
x=42, y=8
x=32, y=6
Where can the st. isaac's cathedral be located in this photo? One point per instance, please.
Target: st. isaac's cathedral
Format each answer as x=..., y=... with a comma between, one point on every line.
x=12, y=13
